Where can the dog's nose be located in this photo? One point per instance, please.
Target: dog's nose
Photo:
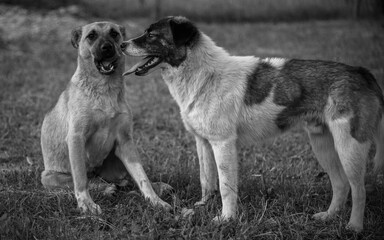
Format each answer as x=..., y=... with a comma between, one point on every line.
x=123, y=46
x=106, y=47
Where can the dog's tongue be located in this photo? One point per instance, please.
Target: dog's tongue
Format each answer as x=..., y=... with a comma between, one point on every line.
x=105, y=64
x=135, y=67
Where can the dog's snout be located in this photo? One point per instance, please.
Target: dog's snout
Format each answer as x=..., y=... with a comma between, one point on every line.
x=106, y=47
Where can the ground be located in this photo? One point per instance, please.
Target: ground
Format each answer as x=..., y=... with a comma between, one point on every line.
x=281, y=184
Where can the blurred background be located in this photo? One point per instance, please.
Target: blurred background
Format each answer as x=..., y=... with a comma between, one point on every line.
x=213, y=10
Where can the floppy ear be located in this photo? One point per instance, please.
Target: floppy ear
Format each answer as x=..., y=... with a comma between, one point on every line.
x=76, y=36
x=122, y=31
x=183, y=31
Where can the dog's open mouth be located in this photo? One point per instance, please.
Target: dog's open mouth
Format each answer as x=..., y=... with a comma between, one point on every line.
x=141, y=68
x=106, y=67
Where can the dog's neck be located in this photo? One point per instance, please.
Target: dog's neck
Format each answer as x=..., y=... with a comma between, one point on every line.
x=205, y=65
x=93, y=83
x=199, y=66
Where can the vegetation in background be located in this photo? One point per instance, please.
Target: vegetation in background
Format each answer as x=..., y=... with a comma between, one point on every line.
x=216, y=10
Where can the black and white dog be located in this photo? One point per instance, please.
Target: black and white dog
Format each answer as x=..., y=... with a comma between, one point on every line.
x=226, y=100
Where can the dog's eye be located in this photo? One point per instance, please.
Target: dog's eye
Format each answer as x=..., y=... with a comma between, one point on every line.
x=151, y=35
x=92, y=36
x=114, y=34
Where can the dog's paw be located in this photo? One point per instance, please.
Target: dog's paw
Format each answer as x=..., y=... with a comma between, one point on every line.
x=356, y=227
x=87, y=205
x=160, y=203
x=205, y=199
x=200, y=203
x=220, y=219
x=322, y=216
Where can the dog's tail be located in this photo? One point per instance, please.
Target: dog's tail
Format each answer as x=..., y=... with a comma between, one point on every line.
x=379, y=140
x=379, y=135
x=377, y=87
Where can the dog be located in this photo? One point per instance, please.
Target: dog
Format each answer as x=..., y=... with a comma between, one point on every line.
x=229, y=100
x=89, y=130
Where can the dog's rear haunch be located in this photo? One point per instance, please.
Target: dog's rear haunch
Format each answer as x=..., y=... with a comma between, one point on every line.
x=226, y=100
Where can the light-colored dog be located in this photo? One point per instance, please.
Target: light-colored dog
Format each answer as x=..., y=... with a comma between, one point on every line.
x=90, y=128
x=226, y=100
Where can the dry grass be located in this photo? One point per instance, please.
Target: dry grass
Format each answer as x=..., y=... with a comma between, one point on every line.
x=37, y=61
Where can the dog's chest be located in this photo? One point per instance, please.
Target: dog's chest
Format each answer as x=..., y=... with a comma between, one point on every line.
x=102, y=142
x=250, y=123
x=211, y=121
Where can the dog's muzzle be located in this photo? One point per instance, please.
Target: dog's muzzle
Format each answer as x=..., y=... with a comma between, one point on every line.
x=142, y=67
x=107, y=60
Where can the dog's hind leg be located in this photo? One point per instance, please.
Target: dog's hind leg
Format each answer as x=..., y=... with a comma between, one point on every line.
x=325, y=152
x=353, y=156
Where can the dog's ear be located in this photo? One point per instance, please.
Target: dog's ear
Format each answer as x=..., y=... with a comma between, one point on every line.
x=184, y=31
x=76, y=36
x=122, y=31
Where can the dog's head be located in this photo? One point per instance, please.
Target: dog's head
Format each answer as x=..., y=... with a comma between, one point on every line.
x=99, y=43
x=165, y=41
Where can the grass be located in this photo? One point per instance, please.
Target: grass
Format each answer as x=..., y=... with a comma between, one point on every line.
x=281, y=184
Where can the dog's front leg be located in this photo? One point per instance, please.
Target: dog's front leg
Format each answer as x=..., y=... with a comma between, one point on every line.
x=127, y=152
x=227, y=166
x=77, y=158
x=208, y=171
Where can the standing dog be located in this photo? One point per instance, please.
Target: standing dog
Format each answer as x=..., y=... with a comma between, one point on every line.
x=90, y=128
x=225, y=100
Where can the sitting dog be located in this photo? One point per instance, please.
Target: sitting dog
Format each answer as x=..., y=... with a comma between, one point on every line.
x=90, y=128
x=227, y=100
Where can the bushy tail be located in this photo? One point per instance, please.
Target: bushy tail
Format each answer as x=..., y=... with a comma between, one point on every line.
x=379, y=139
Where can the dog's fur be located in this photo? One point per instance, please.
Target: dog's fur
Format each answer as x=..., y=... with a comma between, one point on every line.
x=225, y=100
x=90, y=127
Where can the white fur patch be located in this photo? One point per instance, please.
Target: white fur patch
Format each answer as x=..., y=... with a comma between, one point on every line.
x=278, y=63
x=257, y=122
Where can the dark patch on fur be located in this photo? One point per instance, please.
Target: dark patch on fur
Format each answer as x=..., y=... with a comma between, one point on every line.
x=184, y=32
x=169, y=39
x=259, y=84
x=303, y=86
x=372, y=84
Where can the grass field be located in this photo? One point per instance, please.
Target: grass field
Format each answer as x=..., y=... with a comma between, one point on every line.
x=281, y=184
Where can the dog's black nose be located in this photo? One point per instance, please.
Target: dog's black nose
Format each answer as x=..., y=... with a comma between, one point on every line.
x=106, y=47
x=107, y=50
